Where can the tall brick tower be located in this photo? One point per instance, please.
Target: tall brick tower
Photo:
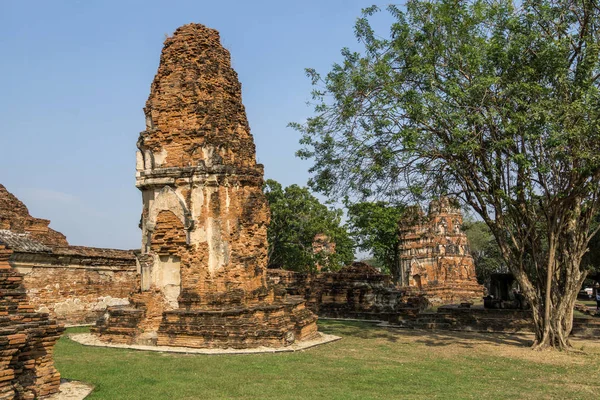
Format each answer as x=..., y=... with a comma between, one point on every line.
x=204, y=220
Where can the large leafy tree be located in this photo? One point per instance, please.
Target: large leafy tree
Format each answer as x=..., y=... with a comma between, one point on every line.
x=296, y=218
x=374, y=226
x=495, y=102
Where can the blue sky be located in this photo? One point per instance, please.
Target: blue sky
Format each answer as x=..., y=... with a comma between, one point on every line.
x=75, y=75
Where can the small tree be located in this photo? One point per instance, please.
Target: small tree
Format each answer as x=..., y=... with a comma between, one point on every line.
x=296, y=218
x=591, y=259
x=495, y=102
x=485, y=251
x=374, y=227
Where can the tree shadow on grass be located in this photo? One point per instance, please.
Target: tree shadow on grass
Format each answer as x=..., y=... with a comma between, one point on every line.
x=432, y=338
x=436, y=338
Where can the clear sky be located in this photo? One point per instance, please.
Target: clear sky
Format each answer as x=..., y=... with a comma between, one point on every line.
x=75, y=75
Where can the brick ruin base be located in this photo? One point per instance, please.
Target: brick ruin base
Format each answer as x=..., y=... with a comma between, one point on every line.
x=357, y=291
x=444, y=294
x=27, y=339
x=275, y=322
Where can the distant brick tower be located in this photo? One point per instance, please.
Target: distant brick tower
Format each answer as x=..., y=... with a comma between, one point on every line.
x=204, y=220
x=434, y=253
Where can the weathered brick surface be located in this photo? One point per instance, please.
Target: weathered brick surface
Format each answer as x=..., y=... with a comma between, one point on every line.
x=355, y=291
x=27, y=340
x=204, y=219
x=15, y=217
x=434, y=254
x=75, y=293
x=323, y=247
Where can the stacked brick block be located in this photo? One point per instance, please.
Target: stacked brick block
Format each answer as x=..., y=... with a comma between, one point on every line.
x=27, y=340
x=356, y=291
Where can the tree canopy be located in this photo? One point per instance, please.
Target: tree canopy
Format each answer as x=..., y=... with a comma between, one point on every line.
x=374, y=227
x=484, y=249
x=494, y=102
x=297, y=217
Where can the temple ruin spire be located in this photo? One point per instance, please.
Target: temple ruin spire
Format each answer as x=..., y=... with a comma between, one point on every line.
x=204, y=218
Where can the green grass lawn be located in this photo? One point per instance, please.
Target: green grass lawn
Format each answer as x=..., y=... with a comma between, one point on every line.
x=370, y=362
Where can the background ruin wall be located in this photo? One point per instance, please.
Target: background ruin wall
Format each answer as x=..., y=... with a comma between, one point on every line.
x=75, y=288
x=74, y=284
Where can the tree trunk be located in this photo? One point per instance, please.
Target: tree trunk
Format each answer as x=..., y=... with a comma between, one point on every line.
x=554, y=328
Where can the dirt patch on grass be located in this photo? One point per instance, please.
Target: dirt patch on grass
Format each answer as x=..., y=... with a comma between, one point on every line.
x=450, y=344
x=515, y=346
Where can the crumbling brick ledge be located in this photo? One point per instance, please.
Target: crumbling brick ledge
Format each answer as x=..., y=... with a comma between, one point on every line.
x=88, y=339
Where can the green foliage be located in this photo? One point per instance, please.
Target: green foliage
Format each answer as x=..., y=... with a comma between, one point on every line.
x=296, y=218
x=484, y=249
x=496, y=102
x=374, y=226
x=591, y=259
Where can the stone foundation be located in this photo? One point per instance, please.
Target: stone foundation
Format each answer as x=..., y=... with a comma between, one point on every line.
x=27, y=340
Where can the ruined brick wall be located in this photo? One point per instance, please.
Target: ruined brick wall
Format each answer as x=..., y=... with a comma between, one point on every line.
x=295, y=283
x=356, y=291
x=15, y=217
x=27, y=340
x=76, y=288
x=434, y=254
x=478, y=319
x=74, y=284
